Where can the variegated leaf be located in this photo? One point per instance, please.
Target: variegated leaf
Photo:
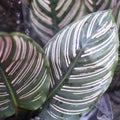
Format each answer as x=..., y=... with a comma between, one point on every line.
x=116, y=14
x=24, y=75
x=47, y=17
x=83, y=58
x=98, y=5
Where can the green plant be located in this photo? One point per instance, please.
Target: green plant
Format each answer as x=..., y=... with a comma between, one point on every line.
x=24, y=74
x=82, y=57
x=81, y=66
x=48, y=17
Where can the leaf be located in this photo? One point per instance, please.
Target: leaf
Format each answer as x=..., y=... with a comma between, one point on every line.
x=24, y=74
x=82, y=58
x=47, y=17
x=115, y=85
x=98, y=5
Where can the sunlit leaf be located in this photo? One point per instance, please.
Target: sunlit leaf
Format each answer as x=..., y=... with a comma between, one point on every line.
x=47, y=17
x=115, y=83
x=98, y=5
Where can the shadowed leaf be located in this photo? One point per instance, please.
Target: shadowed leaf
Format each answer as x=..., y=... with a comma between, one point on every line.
x=24, y=75
x=47, y=17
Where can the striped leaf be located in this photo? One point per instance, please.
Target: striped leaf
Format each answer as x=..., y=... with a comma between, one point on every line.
x=24, y=75
x=47, y=17
x=83, y=58
x=98, y=5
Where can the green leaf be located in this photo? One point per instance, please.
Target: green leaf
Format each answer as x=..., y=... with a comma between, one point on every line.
x=82, y=58
x=98, y=5
x=24, y=74
x=47, y=17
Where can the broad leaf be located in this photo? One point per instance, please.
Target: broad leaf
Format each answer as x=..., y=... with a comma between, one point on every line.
x=83, y=58
x=47, y=17
x=24, y=75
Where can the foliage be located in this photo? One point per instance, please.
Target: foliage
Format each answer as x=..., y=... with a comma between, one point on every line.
x=48, y=17
x=24, y=75
x=82, y=66
x=82, y=57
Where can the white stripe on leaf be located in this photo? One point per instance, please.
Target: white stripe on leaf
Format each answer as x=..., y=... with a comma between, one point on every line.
x=87, y=57
x=23, y=72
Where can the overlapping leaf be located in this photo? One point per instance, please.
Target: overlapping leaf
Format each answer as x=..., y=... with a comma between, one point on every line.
x=47, y=17
x=24, y=76
x=83, y=58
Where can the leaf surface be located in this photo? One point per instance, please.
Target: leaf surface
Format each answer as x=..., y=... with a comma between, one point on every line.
x=47, y=17
x=82, y=58
x=24, y=74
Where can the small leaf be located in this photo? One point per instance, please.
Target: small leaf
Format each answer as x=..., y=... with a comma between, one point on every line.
x=24, y=75
x=48, y=17
x=83, y=58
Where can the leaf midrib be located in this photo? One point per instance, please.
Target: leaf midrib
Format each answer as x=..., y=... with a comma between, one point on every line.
x=65, y=76
x=13, y=98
